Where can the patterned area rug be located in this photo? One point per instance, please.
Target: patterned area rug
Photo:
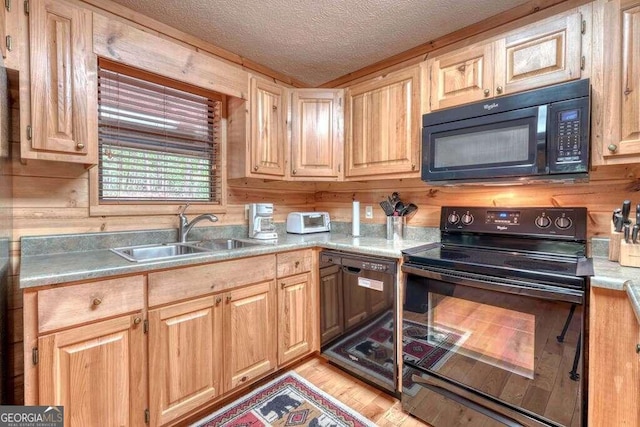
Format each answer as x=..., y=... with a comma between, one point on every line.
x=286, y=401
x=371, y=349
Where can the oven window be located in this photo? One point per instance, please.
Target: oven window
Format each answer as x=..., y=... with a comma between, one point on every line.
x=498, y=336
x=487, y=147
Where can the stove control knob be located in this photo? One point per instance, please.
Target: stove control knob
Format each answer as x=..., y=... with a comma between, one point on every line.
x=453, y=218
x=563, y=222
x=467, y=219
x=543, y=222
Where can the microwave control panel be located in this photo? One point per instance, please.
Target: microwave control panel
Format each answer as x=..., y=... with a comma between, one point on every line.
x=568, y=134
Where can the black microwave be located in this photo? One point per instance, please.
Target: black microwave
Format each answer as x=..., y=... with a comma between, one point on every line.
x=534, y=135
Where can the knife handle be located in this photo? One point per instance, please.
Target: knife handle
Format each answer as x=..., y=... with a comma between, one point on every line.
x=634, y=233
x=626, y=210
x=618, y=223
x=626, y=233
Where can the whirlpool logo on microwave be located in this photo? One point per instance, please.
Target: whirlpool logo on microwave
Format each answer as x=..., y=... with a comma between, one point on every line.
x=490, y=107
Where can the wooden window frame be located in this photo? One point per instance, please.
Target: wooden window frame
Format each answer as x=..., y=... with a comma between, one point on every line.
x=99, y=207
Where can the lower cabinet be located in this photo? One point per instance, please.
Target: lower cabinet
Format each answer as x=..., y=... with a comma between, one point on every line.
x=97, y=372
x=614, y=361
x=294, y=317
x=185, y=357
x=204, y=347
x=249, y=333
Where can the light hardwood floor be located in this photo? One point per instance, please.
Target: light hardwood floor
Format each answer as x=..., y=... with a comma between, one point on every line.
x=377, y=406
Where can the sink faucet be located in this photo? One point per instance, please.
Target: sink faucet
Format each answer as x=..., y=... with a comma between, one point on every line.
x=184, y=226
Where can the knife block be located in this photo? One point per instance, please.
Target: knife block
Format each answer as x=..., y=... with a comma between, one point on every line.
x=629, y=254
x=614, y=245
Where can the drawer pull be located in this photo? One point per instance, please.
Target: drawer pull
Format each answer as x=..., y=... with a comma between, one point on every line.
x=137, y=320
x=282, y=286
x=297, y=264
x=229, y=298
x=243, y=379
x=96, y=302
x=218, y=301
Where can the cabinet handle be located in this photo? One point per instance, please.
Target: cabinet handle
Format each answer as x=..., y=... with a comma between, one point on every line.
x=499, y=89
x=229, y=298
x=255, y=168
x=294, y=171
x=638, y=348
x=9, y=43
x=137, y=320
x=613, y=148
x=487, y=92
x=97, y=301
x=243, y=379
x=282, y=286
x=275, y=107
x=413, y=167
x=218, y=301
x=79, y=145
x=297, y=264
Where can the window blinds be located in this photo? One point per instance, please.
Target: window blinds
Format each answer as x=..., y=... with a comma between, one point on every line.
x=156, y=143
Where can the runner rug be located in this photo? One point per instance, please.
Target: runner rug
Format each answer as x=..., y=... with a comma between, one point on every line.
x=370, y=349
x=289, y=400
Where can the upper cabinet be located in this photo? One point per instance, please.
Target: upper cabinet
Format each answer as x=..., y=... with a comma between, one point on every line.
x=383, y=126
x=63, y=84
x=621, y=91
x=541, y=54
x=316, y=134
x=268, y=115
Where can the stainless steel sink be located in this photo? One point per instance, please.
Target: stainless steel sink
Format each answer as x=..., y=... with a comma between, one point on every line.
x=155, y=252
x=224, y=244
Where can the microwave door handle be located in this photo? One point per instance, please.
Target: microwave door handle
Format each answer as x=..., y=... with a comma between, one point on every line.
x=541, y=140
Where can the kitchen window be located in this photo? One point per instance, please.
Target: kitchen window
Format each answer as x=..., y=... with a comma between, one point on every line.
x=159, y=141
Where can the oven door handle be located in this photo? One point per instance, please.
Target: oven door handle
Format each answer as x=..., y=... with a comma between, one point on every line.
x=510, y=286
x=443, y=391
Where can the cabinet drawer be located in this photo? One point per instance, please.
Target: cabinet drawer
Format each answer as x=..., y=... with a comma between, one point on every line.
x=294, y=262
x=182, y=283
x=71, y=305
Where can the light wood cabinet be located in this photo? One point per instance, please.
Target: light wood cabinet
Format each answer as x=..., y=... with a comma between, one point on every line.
x=250, y=333
x=268, y=135
x=185, y=357
x=621, y=93
x=614, y=361
x=317, y=134
x=331, y=311
x=382, y=126
x=294, y=317
x=544, y=53
x=63, y=84
x=96, y=372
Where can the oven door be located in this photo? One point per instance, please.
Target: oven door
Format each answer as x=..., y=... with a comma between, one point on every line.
x=507, y=144
x=509, y=347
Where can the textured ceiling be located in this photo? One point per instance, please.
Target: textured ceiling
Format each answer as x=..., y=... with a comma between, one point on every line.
x=316, y=41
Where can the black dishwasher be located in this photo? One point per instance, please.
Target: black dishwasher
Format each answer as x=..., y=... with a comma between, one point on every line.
x=358, y=316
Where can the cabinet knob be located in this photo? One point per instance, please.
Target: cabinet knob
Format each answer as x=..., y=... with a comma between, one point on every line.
x=137, y=320
x=413, y=167
x=255, y=168
x=613, y=148
x=96, y=301
x=218, y=300
x=297, y=264
x=79, y=145
x=294, y=171
x=275, y=107
x=282, y=286
x=638, y=348
x=487, y=92
x=229, y=298
x=243, y=379
x=499, y=89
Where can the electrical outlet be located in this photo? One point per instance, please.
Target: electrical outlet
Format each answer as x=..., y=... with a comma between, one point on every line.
x=368, y=212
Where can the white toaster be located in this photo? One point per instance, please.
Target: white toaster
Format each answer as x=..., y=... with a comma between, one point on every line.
x=308, y=222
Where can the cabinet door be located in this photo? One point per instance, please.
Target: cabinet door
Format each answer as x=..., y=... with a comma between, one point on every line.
x=249, y=333
x=462, y=76
x=614, y=364
x=267, y=128
x=96, y=372
x=545, y=53
x=294, y=317
x=331, y=309
x=383, y=126
x=63, y=82
x=621, y=134
x=185, y=357
x=316, y=133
